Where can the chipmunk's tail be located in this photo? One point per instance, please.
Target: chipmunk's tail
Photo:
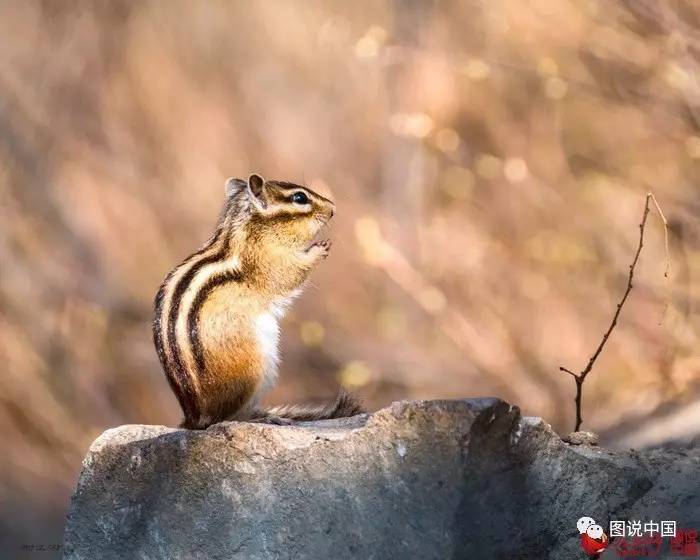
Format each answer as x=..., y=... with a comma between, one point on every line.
x=344, y=405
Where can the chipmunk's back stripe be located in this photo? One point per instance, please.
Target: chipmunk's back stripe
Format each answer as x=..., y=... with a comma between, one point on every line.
x=189, y=392
x=193, y=316
x=158, y=325
x=176, y=366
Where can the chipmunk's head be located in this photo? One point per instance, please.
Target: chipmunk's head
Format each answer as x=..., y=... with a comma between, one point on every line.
x=287, y=214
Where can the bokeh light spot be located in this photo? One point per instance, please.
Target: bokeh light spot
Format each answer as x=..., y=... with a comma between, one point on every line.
x=488, y=166
x=417, y=125
x=355, y=374
x=555, y=88
x=312, y=333
x=447, y=140
x=476, y=69
x=515, y=170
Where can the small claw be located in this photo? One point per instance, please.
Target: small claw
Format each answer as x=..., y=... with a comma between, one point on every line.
x=323, y=247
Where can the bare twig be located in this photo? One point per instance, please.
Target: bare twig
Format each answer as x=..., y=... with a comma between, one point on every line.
x=667, y=269
x=579, y=378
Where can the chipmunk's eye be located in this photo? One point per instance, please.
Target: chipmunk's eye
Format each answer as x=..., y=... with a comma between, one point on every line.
x=300, y=197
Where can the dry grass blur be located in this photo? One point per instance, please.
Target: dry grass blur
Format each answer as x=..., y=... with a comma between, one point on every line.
x=489, y=161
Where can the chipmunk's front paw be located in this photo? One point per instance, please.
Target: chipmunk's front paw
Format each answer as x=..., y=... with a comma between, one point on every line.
x=320, y=249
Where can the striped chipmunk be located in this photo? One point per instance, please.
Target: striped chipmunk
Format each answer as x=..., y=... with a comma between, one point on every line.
x=216, y=314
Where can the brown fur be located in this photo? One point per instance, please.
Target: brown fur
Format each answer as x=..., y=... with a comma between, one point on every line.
x=210, y=310
x=343, y=406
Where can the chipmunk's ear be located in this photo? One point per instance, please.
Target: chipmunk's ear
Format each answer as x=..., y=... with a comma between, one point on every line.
x=234, y=185
x=255, y=187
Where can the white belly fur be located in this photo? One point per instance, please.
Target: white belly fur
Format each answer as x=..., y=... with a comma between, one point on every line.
x=267, y=332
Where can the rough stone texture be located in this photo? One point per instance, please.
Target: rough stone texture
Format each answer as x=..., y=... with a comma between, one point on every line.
x=434, y=479
x=582, y=438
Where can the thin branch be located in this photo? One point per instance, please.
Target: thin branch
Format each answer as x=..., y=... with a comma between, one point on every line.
x=667, y=269
x=581, y=377
x=630, y=278
x=575, y=375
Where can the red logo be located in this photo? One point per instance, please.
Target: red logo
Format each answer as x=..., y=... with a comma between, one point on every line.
x=593, y=538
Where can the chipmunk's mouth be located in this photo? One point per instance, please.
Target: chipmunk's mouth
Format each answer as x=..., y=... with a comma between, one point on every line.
x=319, y=238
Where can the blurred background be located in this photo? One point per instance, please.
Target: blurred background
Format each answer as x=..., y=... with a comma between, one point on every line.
x=489, y=161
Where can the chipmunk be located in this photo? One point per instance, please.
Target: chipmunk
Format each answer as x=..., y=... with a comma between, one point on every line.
x=216, y=314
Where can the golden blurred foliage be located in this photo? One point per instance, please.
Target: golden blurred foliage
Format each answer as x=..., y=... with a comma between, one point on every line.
x=489, y=161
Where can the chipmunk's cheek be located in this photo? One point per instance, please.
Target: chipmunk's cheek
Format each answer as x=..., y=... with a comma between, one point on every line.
x=314, y=226
x=315, y=234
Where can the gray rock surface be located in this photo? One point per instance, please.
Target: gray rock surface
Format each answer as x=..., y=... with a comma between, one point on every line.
x=430, y=479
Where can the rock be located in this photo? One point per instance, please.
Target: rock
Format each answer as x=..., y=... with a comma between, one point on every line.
x=582, y=438
x=427, y=479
